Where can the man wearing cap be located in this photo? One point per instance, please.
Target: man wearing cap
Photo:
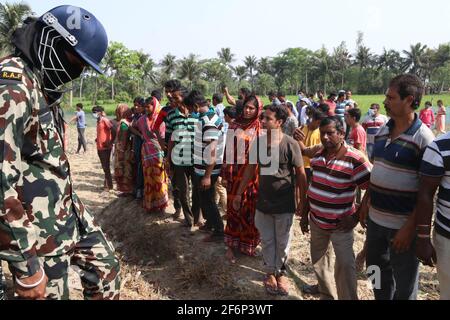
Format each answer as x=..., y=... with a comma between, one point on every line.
x=44, y=227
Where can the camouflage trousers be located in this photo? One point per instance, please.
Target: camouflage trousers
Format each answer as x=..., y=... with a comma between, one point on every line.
x=94, y=260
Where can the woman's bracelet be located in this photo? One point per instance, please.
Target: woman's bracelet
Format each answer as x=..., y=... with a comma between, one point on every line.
x=34, y=285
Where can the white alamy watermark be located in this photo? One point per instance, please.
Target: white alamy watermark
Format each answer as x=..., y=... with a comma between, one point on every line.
x=230, y=148
x=74, y=20
x=374, y=277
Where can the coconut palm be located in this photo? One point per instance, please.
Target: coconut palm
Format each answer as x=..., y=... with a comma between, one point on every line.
x=251, y=63
x=190, y=69
x=264, y=66
x=11, y=18
x=415, y=59
x=169, y=65
x=225, y=56
x=241, y=73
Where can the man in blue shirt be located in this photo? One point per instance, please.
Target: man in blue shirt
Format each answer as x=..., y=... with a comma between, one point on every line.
x=80, y=118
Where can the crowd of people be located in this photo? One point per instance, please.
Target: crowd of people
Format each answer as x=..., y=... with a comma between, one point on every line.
x=261, y=164
x=327, y=155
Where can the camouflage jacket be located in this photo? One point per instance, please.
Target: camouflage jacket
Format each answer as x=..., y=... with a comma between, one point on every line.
x=40, y=215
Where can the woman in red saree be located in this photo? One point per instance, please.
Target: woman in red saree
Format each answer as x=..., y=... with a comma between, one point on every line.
x=123, y=155
x=156, y=196
x=240, y=232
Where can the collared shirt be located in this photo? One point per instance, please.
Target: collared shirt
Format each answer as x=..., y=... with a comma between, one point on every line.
x=436, y=164
x=181, y=129
x=340, y=109
x=209, y=128
x=395, y=176
x=332, y=192
x=372, y=126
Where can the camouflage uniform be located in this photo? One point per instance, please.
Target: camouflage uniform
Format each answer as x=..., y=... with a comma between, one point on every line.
x=42, y=221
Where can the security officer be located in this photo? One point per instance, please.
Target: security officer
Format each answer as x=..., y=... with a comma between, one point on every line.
x=44, y=227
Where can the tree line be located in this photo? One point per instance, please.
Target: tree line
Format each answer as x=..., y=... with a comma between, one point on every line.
x=130, y=73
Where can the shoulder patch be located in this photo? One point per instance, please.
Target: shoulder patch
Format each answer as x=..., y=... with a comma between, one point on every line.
x=10, y=76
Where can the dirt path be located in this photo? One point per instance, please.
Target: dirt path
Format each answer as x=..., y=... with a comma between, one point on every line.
x=161, y=260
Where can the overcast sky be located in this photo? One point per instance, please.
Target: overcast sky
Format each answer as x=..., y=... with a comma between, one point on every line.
x=265, y=27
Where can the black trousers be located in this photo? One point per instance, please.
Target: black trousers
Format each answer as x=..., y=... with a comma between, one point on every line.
x=105, y=160
x=208, y=205
x=182, y=177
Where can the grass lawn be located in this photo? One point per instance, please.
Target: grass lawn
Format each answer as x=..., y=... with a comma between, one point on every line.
x=364, y=103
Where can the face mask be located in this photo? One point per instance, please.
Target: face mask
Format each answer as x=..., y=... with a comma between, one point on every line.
x=96, y=115
x=372, y=113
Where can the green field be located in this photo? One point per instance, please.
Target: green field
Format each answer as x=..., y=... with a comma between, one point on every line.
x=364, y=102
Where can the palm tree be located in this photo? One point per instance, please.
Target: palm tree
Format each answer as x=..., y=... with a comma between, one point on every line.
x=240, y=73
x=415, y=59
x=389, y=60
x=146, y=65
x=169, y=65
x=321, y=65
x=264, y=66
x=11, y=18
x=341, y=60
x=363, y=57
x=190, y=69
x=225, y=56
x=251, y=63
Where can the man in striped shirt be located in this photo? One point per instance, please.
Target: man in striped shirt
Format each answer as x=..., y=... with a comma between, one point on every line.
x=435, y=173
x=372, y=124
x=208, y=157
x=181, y=124
x=391, y=228
x=338, y=170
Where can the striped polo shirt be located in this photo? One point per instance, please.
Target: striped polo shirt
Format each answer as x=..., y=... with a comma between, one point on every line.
x=340, y=110
x=395, y=177
x=181, y=129
x=332, y=192
x=436, y=163
x=209, y=128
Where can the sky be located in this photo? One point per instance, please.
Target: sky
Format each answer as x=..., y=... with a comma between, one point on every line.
x=264, y=27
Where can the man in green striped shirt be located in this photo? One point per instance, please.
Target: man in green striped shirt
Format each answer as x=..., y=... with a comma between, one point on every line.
x=181, y=124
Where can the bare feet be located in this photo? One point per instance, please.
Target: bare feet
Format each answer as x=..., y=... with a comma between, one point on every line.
x=230, y=256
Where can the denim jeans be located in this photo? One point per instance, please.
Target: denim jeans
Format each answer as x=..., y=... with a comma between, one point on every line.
x=399, y=271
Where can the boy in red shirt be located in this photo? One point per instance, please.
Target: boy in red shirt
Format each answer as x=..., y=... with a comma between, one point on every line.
x=358, y=136
x=427, y=115
x=105, y=140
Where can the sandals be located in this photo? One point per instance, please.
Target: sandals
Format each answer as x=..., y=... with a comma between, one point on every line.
x=271, y=284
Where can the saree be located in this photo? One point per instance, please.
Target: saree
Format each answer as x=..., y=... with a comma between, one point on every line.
x=240, y=231
x=156, y=192
x=124, y=174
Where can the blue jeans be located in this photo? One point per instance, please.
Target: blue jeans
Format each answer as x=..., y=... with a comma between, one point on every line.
x=399, y=272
